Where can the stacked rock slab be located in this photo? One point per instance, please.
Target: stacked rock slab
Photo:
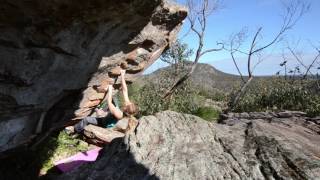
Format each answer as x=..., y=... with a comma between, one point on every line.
x=54, y=50
x=171, y=145
x=101, y=136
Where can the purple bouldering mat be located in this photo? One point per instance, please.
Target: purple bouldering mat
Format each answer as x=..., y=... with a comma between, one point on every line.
x=78, y=159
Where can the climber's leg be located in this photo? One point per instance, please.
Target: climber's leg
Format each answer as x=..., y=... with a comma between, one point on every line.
x=79, y=127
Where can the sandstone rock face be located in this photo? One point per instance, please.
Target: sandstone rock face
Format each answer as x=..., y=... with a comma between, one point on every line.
x=170, y=145
x=52, y=49
x=102, y=134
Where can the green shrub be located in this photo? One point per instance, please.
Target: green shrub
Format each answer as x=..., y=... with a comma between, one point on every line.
x=57, y=148
x=207, y=113
x=279, y=94
x=150, y=100
x=215, y=94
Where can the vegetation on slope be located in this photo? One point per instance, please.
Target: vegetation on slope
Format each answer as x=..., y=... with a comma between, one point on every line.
x=276, y=94
x=187, y=99
x=264, y=94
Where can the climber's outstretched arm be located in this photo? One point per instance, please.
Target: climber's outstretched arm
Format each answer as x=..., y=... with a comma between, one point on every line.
x=117, y=113
x=124, y=87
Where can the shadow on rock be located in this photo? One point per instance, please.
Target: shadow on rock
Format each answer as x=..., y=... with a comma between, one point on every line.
x=115, y=161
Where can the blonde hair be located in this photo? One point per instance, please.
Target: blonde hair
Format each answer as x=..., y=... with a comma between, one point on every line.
x=130, y=109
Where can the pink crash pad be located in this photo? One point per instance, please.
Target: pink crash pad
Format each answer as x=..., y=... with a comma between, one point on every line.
x=76, y=160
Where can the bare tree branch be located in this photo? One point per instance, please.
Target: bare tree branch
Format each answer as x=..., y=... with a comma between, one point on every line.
x=198, y=14
x=235, y=63
x=251, y=51
x=259, y=62
x=293, y=12
x=301, y=62
x=194, y=29
x=289, y=21
x=240, y=93
x=236, y=41
x=296, y=57
x=314, y=60
x=212, y=50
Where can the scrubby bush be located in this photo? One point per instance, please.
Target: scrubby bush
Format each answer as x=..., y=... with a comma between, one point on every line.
x=150, y=97
x=214, y=94
x=208, y=113
x=279, y=94
x=186, y=99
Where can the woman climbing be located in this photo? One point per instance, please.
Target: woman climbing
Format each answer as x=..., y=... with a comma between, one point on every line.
x=110, y=114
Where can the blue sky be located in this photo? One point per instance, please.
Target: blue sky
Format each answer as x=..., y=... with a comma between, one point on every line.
x=234, y=15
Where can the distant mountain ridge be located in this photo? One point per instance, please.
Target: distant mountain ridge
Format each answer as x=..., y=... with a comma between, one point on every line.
x=205, y=77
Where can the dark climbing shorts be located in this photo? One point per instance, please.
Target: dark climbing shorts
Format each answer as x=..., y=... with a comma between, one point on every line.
x=106, y=122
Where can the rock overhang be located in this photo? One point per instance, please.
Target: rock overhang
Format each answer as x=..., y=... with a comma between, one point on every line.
x=54, y=48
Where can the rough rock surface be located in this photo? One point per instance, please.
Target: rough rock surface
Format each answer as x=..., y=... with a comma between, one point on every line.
x=103, y=134
x=54, y=51
x=170, y=145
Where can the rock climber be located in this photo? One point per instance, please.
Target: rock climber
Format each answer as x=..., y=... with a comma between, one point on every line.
x=109, y=113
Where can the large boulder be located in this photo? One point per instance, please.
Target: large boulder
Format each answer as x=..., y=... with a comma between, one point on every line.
x=52, y=52
x=171, y=145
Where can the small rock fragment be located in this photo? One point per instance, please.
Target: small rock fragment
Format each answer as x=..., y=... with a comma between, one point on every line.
x=115, y=71
x=131, y=57
x=124, y=65
x=103, y=134
x=122, y=125
x=104, y=85
x=136, y=69
x=285, y=114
